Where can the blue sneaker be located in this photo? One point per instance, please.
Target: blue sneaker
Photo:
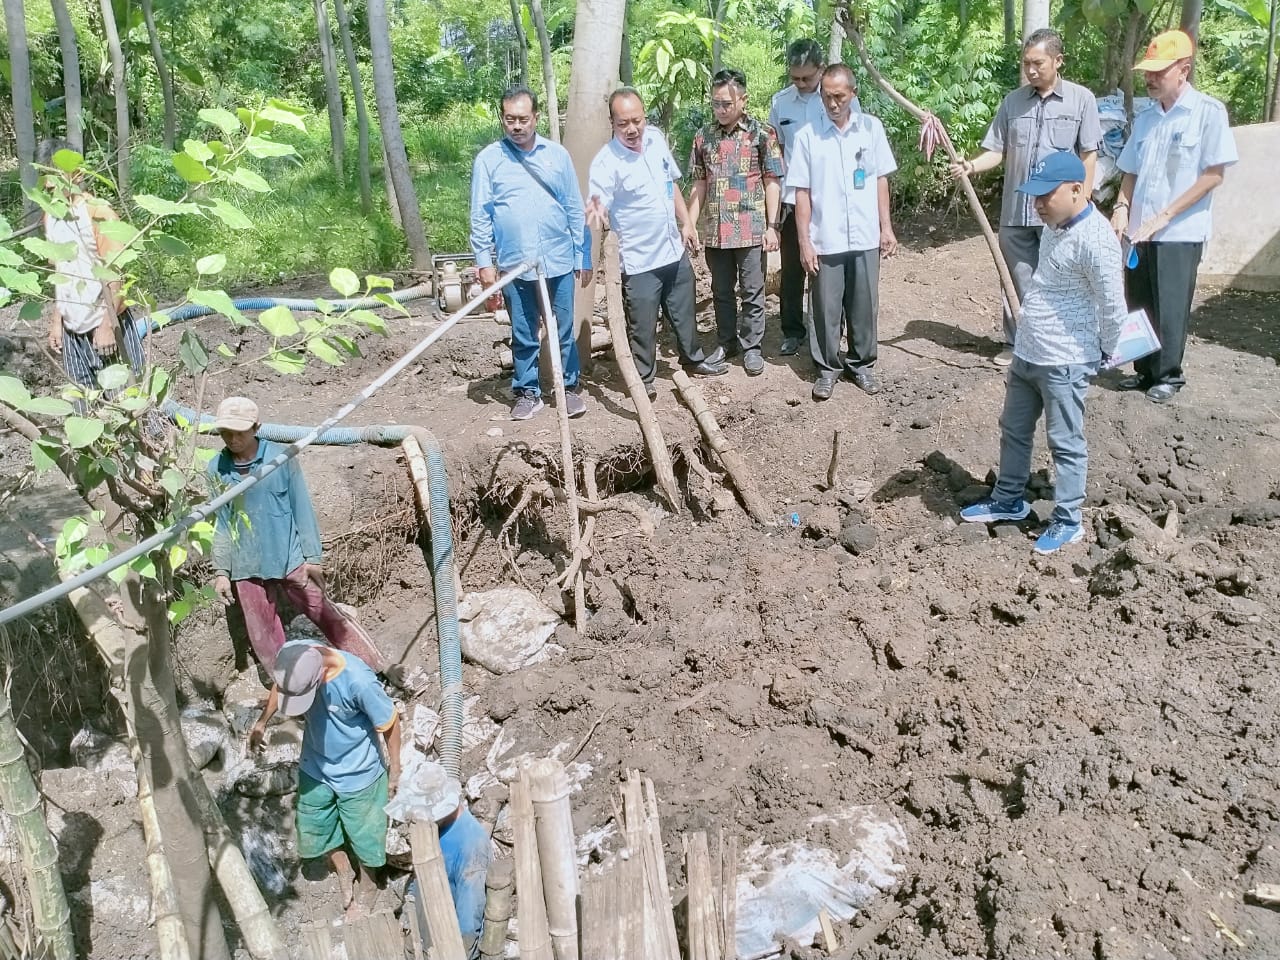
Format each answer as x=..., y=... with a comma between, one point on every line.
x=1058, y=536
x=988, y=510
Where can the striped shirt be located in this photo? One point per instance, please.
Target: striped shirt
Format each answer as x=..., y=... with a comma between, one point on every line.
x=1075, y=303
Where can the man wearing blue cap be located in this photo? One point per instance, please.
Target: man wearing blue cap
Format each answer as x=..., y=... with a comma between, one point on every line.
x=1069, y=325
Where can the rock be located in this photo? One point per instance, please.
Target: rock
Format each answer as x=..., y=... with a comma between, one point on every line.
x=906, y=650
x=1257, y=514
x=243, y=701
x=939, y=462
x=972, y=494
x=1007, y=531
x=788, y=690
x=824, y=522
x=207, y=734
x=505, y=629
x=101, y=753
x=971, y=533
x=270, y=781
x=857, y=535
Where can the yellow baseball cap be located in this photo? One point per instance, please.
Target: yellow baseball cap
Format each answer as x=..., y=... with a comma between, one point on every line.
x=1167, y=49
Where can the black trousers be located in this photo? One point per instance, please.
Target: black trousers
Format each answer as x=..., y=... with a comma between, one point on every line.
x=791, y=296
x=737, y=271
x=1163, y=283
x=846, y=296
x=668, y=289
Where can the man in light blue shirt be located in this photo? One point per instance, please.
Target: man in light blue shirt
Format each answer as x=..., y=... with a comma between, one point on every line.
x=526, y=207
x=1176, y=156
x=839, y=173
x=633, y=184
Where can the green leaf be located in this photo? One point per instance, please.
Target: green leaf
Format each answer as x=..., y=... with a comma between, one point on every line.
x=82, y=431
x=31, y=311
x=159, y=384
x=13, y=392
x=170, y=245
x=113, y=377
x=68, y=161
x=197, y=150
x=144, y=566
x=278, y=321
x=211, y=264
x=192, y=352
x=224, y=120
x=10, y=257
x=370, y=321
x=43, y=454
x=230, y=215
x=375, y=282
x=389, y=301
x=249, y=180
x=278, y=112
x=349, y=346
x=48, y=406
x=74, y=529
x=190, y=169
x=324, y=306
x=262, y=148
x=119, y=231
x=225, y=351
x=344, y=281
x=177, y=556
x=324, y=351
x=288, y=362
x=49, y=251
x=218, y=300
x=160, y=207
x=662, y=60
x=20, y=281
x=173, y=481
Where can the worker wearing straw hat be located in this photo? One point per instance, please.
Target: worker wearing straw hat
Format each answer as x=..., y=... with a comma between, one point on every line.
x=1175, y=158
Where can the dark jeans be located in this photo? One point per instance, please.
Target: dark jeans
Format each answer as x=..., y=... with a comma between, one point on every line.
x=737, y=271
x=1163, y=283
x=846, y=296
x=791, y=294
x=525, y=307
x=1021, y=249
x=671, y=290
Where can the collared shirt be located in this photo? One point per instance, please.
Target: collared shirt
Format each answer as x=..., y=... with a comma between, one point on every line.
x=1168, y=150
x=465, y=848
x=826, y=162
x=1029, y=127
x=514, y=219
x=339, y=742
x=271, y=528
x=638, y=190
x=789, y=113
x=735, y=164
x=1075, y=303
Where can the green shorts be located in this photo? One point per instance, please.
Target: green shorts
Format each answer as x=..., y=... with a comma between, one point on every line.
x=326, y=820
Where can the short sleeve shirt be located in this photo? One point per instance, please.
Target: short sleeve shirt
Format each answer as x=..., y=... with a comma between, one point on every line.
x=1167, y=151
x=1029, y=127
x=339, y=735
x=638, y=190
x=735, y=164
x=826, y=161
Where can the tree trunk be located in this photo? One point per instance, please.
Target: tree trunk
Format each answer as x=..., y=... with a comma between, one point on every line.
x=384, y=89
x=1035, y=16
x=835, y=46
x=1271, y=94
x=522, y=43
x=332, y=92
x=121, y=94
x=362, y=111
x=597, y=50
x=1131, y=30
x=70, y=74
x=626, y=66
x=20, y=800
x=1010, y=22
x=548, y=70
x=717, y=41
x=165, y=74
x=1189, y=22
x=24, y=120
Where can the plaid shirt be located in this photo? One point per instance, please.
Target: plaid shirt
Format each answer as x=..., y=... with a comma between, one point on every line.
x=735, y=163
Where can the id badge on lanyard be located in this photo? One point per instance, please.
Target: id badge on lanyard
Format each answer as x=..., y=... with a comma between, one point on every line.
x=860, y=172
x=671, y=184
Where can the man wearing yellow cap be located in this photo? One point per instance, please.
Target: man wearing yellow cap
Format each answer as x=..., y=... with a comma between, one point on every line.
x=1177, y=154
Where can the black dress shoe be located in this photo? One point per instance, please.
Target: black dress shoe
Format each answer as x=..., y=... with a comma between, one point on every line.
x=823, y=387
x=1135, y=383
x=721, y=354
x=865, y=379
x=1163, y=392
x=790, y=346
x=753, y=363
x=708, y=369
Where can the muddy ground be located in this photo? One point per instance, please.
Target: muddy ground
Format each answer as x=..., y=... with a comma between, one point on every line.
x=1082, y=749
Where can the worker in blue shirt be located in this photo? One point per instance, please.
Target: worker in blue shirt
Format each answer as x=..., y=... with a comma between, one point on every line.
x=526, y=208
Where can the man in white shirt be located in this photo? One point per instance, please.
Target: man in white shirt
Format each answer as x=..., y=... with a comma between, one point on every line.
x=794, y=108
x=1176, y=156
x=842, y=216
x=632, y=184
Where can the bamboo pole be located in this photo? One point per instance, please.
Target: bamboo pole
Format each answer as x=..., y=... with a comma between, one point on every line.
x=385, y=936
x=434, y=893
x=702, y=927
x=729, y=896
x=531, y=909
x=20, y=799
x=316, y=943
x=553, y=824
x=663, y=472
x=729, y=456
x=497, y=909
x=975, y=205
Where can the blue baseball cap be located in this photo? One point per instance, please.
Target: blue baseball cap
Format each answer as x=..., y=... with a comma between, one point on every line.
x=1053, y=171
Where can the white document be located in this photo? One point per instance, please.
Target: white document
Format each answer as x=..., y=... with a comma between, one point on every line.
x=1137, y=340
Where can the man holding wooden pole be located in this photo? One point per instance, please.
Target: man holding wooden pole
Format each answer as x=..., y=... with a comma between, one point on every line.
x=1045, y=115
x=634, y=188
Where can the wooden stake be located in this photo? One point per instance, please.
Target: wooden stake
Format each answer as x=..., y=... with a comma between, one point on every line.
x=434, y=893
x=975, y=205
x=553, y=821
x=531, y=909
x=729, y=896
x=829, y=941
x=833, y=468
x=703, y=931
x=497, y=909
x=663, y=472
x=732, y=461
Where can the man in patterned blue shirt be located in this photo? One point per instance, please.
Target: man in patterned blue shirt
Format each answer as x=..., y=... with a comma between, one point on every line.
x=1069, y=326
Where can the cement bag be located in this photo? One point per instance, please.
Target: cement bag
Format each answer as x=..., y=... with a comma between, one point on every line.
x=505, y=628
